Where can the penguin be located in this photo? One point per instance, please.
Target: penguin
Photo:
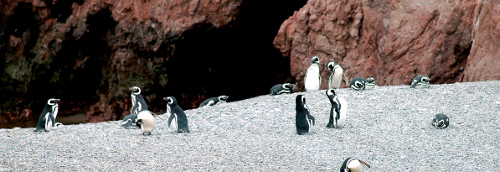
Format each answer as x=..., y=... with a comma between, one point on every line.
x=281, y=89
x=441, y=121
x=147, y=121
x=370, y=82
x=303, y=118
x=177, y=113
x=129, y=120
x=338, y=113
x=214, y=101
x=336, y=76
x=138, y=104
x=358, y=83
x=48, y=117
x=352, y=165
x=420, y=81
x=312, y=80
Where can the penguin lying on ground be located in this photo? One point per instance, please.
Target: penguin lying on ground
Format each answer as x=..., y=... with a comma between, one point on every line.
x=281, y=89
x=338, y=111
x=178, y=114
x=420, y=81
x=312, y=80
x=358, y=83
x=353, y=165
x=214, y=101
x=440, y=121
x=303, y=118
x=47, y=119
x=336, y=76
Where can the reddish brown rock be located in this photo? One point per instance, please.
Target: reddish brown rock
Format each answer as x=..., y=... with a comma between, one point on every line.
x=95, y=49
x=394, y=40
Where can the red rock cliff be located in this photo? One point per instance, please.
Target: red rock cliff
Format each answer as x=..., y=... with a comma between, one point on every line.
x=394, y=40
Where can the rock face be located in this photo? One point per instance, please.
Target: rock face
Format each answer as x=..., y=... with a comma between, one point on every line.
x=393, y=41
x=89, y=52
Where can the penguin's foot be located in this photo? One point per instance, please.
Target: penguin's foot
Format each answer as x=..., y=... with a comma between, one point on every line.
x=330, y=125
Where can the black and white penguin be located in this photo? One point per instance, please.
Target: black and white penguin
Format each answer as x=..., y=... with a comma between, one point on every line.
x=214, y=101
x=440, y=121
x=147, y=121
x=47, y=119
x=303, y=118
x=352, y=165
x=336, y=76
x=358, y=83
x=176, y=112
x=370, y=82
x=338, y=113
x=312, y=80
x=138, y=104
x=420, y=81
x=281, y=89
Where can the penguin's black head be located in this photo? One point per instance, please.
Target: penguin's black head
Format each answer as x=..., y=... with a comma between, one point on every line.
x=370, y=80
x=135, y=90
x=330, y=92
x=223, y=98
x=300, y=100
x=330, y=65
x=315, y=60
x=425, y=79
x=53, y=101
x=170, y=100
x=288, y=86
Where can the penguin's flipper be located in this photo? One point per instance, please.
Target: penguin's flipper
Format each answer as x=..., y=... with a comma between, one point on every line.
x=363, y=162
x=127, y=123
x=310, y=117
x=172, y=116
x=211, y=103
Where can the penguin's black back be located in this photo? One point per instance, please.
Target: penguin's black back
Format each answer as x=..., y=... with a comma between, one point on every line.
x=276, y=89
x=300, y=117
x=182, y=121
x=204, y=103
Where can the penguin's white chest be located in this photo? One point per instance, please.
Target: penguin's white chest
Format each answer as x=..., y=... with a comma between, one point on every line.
x=336, y=78
x=312, y=79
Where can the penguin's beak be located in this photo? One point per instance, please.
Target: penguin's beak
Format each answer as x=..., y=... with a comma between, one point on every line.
x=56, y=100
x=291, y=86
x=312, y=60
x=165, y=98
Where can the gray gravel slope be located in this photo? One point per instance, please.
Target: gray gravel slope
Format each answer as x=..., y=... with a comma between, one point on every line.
x=388, y=127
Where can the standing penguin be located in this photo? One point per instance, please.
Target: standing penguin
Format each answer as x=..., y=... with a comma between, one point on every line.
x=147, y=121
x=312, y=80
x=336, y=76
x=370, y=82
x=352, y=165
x=440, y=121
x=48, y=117
x=303, y=118
x=338, y=113
x=420, y=81
x=138, y=104
x=177, y=113
x=358, y=83
x=214, y=101
x=281, y=88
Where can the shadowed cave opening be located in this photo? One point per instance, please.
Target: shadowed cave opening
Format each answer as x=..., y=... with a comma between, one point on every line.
x=238, y=60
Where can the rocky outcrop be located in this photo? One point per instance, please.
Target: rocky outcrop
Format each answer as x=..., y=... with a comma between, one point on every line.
x=450, y=41
x=89, y=52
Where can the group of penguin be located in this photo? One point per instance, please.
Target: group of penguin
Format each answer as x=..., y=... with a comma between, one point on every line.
x=144, y=119
x=312, y=81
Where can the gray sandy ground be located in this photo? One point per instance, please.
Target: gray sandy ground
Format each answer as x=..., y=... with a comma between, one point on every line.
x=388, y=127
